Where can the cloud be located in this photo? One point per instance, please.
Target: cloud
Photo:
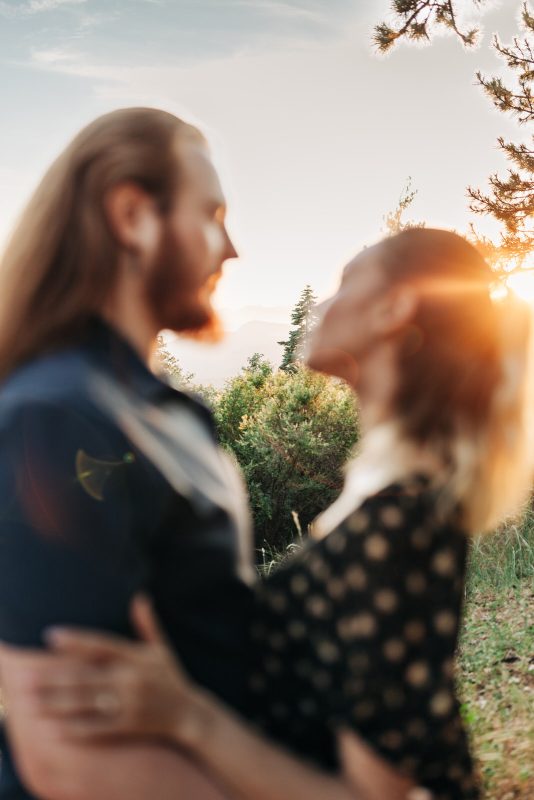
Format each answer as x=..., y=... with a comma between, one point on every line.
x=52, y=56
x=284, y=9
x=69, y=62
x=8, y=11
x=35, y=7
x=89, y=21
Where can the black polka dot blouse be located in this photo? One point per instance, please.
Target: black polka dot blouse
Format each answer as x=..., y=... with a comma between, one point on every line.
x=359, y=630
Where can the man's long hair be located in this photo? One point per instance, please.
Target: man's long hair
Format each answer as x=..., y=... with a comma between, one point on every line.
x=60, y=263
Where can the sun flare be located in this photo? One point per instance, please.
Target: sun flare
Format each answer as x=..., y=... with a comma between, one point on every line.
x=522, y=284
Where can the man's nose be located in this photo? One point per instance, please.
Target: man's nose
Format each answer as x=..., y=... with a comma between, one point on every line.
x=229, y=250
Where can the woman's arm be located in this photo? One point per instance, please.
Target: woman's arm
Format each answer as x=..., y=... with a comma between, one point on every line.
x=55, y=768
x=251, y=768
x=245, y=764
x=114, y=772
x=154, y=697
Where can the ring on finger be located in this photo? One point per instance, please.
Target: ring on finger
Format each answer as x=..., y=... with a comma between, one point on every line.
x=107, y=703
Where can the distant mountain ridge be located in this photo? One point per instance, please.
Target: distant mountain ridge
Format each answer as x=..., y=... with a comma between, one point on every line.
x=235, y=318
x=215, y=364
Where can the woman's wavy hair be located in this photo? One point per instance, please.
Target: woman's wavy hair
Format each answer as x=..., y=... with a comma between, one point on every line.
x=61, y=260
x=464, y=372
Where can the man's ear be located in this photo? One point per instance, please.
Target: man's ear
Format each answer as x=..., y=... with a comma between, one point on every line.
x=133, y=217
x=396, y=309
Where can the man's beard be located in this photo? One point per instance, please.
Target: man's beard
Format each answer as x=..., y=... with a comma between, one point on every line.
x=178, y=303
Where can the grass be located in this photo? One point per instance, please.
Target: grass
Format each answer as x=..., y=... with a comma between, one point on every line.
x=496, y=660
x=504, y=559
x=496, y=684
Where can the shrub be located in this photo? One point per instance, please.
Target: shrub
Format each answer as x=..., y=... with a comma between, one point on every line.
x=291, y=434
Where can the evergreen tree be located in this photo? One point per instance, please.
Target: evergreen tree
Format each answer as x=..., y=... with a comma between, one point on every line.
x=303, y=321
x=511, y=199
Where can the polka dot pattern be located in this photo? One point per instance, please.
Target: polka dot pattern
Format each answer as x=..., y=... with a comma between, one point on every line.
x=358, y=522
x=376, y=547
x=359, y=630
x=386, y=600
x=394, y=650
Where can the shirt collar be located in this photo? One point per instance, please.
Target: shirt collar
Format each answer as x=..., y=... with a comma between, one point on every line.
x=108, y=346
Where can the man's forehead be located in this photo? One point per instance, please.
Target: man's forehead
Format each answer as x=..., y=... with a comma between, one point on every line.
x=198, y=171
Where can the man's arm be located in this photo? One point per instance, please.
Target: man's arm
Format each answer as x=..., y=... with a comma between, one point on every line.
x=66, y=550
x=68, y=555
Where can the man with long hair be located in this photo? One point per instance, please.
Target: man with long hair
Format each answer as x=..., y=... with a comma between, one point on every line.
x=111, y=482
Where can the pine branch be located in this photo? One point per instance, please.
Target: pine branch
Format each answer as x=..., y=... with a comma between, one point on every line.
x=393, y=220
x=518, y=57
x=415, y=20
x=511, y=200
x=518, y=154
x=468, y=38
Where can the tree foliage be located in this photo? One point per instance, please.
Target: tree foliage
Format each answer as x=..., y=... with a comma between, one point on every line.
x=303, y=321
x=394, y=221
x=511, y=197
x=418, y=19
x=169, y=364
x=291, y=433
x=242, y=397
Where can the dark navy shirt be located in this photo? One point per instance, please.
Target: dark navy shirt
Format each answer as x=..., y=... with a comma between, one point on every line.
x=87, y=519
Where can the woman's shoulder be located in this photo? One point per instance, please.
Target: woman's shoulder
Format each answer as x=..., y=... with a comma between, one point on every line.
x=408, y=505
x=410, y=513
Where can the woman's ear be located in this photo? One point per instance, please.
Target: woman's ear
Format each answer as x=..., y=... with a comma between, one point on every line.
x=396, y=309
x=133, y=217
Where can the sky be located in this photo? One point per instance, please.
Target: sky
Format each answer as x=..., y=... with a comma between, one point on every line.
x=314, y=134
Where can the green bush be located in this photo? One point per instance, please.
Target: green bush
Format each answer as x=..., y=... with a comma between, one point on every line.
x=291, y=434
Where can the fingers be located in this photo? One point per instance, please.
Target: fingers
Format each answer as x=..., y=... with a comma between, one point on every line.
x=59, y=687
x=91, y=728
x=90, y=645
x=93, y=713
x=145, y=620
x=79, y=694
x=29, y=671
x=78, y=701
x=67, y=675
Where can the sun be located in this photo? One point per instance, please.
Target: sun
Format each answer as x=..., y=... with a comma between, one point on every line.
x=522, y=284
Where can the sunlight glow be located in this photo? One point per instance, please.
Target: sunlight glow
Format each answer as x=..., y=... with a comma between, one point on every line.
x=522, y=284
x=499, y=291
